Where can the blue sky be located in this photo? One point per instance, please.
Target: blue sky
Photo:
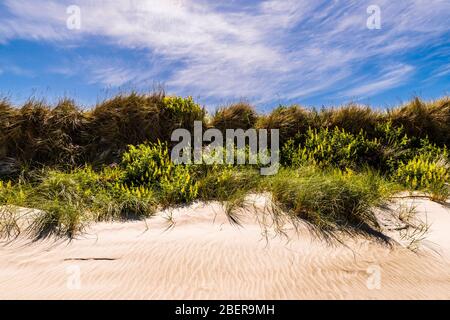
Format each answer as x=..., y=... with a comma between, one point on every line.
x=310, y=52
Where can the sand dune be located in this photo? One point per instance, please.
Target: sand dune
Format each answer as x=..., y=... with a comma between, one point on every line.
x=195, y=253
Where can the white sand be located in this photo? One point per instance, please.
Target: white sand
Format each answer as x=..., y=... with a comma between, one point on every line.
x=203, y=256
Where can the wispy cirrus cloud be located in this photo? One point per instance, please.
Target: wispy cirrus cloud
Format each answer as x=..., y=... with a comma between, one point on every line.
x=443, y=71
x=15, y=70
x=258, y=50
x=392, y=76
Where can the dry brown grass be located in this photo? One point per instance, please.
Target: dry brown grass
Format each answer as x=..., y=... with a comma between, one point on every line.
x=236, y=116
x=64, y=135
x=421, y=119
x=352, y=118
x=289, y=120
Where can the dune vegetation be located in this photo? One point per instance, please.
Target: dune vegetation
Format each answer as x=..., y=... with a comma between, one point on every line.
x=112, y=162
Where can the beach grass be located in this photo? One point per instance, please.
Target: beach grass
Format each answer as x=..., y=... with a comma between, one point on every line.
x=74, y=167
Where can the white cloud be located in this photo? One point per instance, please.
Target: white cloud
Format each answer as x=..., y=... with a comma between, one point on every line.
x=443, y=71
x=292, y=48
x=112, y=76
x=9, y=68
x=390, y=78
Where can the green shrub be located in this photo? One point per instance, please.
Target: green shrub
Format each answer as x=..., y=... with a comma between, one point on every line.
x=183, y=107
x=147, y=164
x=336, y=148
x=394, y=146
x=150, y=165
x=177, y=112
x=5, y=191
x=424, y=173
x=127, y=202
x=180, y=187
x=429, y=150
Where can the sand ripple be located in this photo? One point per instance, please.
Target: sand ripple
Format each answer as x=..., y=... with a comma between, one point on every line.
x=204, y=257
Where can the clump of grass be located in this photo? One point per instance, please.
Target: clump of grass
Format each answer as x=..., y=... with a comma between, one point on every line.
x=236, y=116
x=424, y=119
x=123, y=202
x=351, y=118
x=11, y=196
x=413, y=230
x=7, y=117
x=9, y=226
x=25, y=131
x=120, y=121
x=65, y=200
x=291, y=121
x=42, y=134
x=59, y=218
x=65, y=136
x=329, y=200
x=63, y=141
x=229, y=185
x=136, y=118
